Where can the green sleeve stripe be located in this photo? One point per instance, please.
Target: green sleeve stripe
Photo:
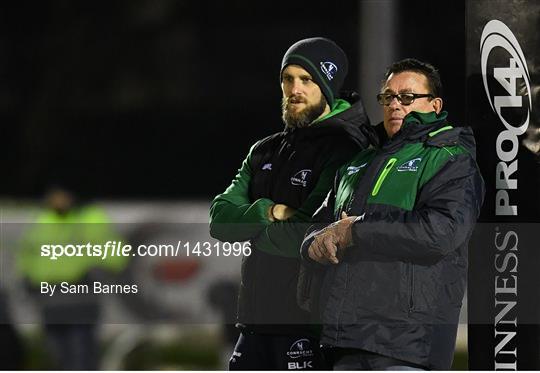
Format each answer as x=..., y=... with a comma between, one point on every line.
x=431, y=134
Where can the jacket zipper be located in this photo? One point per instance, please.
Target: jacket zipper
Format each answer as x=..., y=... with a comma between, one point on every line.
x=383, y=175
x=338, y=320
x=411, y=287
x=347, y=207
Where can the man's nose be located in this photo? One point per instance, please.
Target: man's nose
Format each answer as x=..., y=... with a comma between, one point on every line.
x=297, y=87
x=394, y=103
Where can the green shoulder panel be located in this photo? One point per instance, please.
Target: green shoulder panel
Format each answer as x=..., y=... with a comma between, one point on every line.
x=340, y=106
x=407, y=171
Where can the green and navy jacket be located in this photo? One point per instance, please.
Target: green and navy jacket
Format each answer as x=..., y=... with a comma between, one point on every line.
x=398, y=290
x=295, y=168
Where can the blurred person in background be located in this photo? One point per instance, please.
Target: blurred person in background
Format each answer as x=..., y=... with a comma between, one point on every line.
x=283, y=179
x=70, y=320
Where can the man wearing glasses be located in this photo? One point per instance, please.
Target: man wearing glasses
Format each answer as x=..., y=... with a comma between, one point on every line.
x=395, y=256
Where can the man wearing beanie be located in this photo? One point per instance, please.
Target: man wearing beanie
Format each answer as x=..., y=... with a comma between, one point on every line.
x=271, y=200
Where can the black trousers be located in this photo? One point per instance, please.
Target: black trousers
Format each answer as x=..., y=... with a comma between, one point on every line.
x=276, y=352
x=355, y=359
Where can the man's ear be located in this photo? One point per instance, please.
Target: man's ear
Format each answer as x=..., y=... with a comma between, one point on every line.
x=437, y=103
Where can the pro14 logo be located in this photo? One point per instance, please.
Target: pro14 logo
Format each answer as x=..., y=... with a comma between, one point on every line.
x=497, y=35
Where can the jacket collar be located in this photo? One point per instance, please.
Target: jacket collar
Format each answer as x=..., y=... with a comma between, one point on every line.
x=416, y=127
x=352, y=123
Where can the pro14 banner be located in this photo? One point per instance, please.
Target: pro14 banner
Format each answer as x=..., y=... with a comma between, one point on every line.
x=503, y=98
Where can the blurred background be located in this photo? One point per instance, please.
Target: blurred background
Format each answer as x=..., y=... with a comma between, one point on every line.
x=146, y=109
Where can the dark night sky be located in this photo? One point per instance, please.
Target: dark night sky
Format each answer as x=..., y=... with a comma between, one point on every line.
x=162, y=99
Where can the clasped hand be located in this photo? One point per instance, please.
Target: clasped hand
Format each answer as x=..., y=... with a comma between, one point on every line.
x=332, y=241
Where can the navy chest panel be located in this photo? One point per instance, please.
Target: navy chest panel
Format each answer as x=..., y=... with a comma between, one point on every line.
x=285, y=171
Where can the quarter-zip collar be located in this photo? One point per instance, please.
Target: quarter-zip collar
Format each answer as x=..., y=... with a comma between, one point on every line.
x=416, y=126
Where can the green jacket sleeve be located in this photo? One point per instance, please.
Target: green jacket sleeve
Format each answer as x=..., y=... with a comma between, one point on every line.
x=284, y=238
x=233, y=217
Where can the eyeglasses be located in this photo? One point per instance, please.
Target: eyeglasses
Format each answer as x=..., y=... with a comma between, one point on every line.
x=403, y=98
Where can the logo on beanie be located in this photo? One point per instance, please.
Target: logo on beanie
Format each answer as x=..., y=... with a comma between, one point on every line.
x=329, y=69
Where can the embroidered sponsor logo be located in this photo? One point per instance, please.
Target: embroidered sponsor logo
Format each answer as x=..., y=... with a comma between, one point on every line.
x=329, y=69
x=300, y=348
x=411, y=165
x=297, y=365
x=267, y=166
x=354, y=169
x=301, y=178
